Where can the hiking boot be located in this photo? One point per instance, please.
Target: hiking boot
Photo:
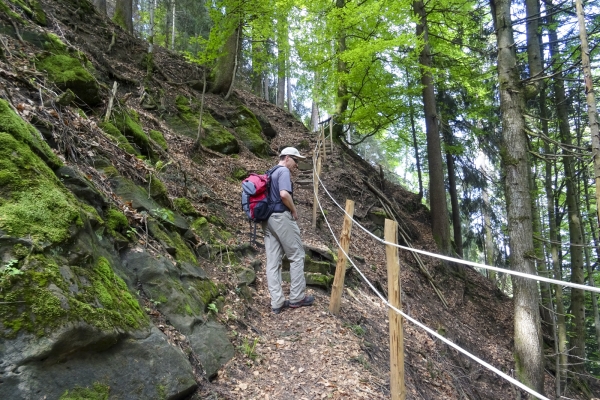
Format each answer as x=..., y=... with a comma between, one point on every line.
x=305, y=302
x=286, y=304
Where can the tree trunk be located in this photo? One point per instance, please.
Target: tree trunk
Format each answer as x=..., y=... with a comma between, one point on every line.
x=290, y=104
x=280, y=99
x=173, y=25
x=124, y=15
x=101, y=6
x=591, y=101
x=415, y=143
x=314, y=116
x=437, y=191
x=534, y=54
x=529, y=361
x=226, y=64
x=577, y=342
x=489, y=241
x=341, y=104
x=445, y=112
x=265, y=81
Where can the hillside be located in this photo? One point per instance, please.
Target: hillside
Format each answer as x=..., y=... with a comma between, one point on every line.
x=127, y=266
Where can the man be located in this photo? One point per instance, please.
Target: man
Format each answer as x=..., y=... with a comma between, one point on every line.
x=282, y=235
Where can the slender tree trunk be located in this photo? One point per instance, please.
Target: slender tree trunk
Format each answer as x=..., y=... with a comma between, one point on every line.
x=314, y=116
x=445, y=112
x=534, y=54
x=265, y=81
x=596, y=243
x=173, y=25
x=280, y=100
x=489, y=241
x=577, y=343
x=415, y=143
x=290, y=105
x=591, y=101
x=101, y=6
x=437, y=190
x=529, y=361
x=341, y=104
x=552, y=221
x=124, y=15
x=150, y=56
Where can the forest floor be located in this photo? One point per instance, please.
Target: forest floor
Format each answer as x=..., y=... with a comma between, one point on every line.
x=305, y=353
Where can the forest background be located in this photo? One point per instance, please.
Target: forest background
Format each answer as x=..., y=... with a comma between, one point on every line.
x=486, y=109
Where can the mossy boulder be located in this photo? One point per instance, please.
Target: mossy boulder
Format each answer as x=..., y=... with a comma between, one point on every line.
x=312, y=279
x=33, y=9
x=185, y=207
x=70, y=73
x=159, y=139
x=116, y=134
x=216, y=138
x=23, y=132
x=32, y=200
x=128, y=124
x=248, y=129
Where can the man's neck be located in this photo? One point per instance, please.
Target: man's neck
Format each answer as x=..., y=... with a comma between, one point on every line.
x=282, y=163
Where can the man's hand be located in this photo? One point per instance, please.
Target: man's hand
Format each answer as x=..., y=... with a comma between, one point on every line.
x=286, y=199
x=295, y=215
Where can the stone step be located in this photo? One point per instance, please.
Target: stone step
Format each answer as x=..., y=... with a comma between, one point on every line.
x=304, y=182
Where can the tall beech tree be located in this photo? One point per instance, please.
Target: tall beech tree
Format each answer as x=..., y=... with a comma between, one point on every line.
x=529, y=361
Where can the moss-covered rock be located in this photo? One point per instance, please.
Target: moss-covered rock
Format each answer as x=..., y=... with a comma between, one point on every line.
x=115, y=133
x=126, y=123
x=239, y=173
x=32, y=200
x=14, y=125
x=249, y=130
x=185, y=207
x=41, y=299
x=217, y=138
x=116, y=222
x=98, y=391
x=159, y=139
x=158, y=190
x=33, y=9
x=68, y=73
x=171, y=241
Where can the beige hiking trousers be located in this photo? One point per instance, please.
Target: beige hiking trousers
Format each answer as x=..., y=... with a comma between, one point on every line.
x=282, y=236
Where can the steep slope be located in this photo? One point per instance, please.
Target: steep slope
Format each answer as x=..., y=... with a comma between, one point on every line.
x=159, y=227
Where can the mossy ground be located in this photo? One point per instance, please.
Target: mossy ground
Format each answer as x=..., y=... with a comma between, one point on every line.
x=185, y=207
x=159, y=139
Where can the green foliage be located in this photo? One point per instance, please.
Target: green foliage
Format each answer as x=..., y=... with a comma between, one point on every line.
x=212, y=307
x=164, y=213
x=248, y=349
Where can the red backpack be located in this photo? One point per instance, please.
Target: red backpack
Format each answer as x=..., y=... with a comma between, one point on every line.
x=255, y=196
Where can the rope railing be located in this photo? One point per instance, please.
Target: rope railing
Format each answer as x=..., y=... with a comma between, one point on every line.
x=465, y=262
x=404, y=315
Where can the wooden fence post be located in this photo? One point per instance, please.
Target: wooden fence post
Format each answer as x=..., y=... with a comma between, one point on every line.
x=340, y=269
x=331, y=133
x=316, y=174
x=323, y=140
x=397, y=388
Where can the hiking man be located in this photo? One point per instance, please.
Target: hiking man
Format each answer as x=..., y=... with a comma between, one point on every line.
x=282, y=235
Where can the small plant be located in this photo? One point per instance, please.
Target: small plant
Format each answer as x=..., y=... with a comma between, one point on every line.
x=160, y=165
x=131, y=232
x=248, y=349
x=11, y=269
x=212, y=308
x=358, y=330
x=155, y=302
x=164, y=214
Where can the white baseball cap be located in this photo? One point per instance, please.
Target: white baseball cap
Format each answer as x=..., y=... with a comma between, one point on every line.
x=291, y=151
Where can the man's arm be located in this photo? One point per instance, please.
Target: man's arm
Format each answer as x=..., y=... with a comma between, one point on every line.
x=287, y=200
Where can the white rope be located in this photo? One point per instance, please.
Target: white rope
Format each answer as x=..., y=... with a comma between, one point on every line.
x=414, y=321
x=428, y=330
x=465, y=262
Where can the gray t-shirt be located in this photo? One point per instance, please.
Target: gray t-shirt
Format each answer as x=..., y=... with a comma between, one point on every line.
x=280, y=180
